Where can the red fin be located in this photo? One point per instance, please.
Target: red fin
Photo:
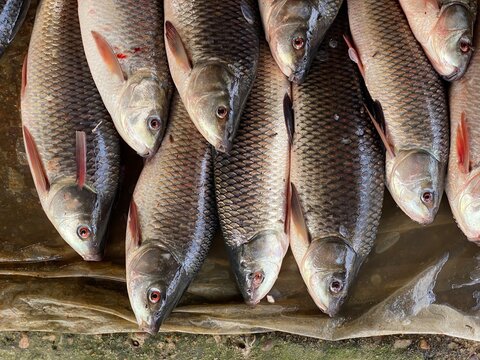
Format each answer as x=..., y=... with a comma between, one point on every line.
x=382, y=134
x=108, y=55
x=297, y=219
x=38, y=171
x=463, y=147
x=24, y=76
x=175, y=44
x=353, y=54
x=81, y=158
x=133, y=225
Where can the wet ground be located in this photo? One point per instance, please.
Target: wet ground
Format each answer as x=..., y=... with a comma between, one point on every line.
x=267, y=346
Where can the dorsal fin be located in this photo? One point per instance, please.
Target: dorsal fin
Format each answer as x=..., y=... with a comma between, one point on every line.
x=81, y=158
x=134, y=225
x=353, y=54
x=175, y=44
x=108, y=55
x=289, y=117
x=463, y=146
x=36, y=166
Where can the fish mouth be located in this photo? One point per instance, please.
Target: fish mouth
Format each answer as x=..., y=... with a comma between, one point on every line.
x=224, y=146
x=93, y=257
x=298, y=77
x=455, y=75
x=151, y=329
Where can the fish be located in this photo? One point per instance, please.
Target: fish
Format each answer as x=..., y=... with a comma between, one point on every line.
x=337, y=174
x=463, y=176
x=410, y=112
x=123, y=42
x=12, y=15
x=251, y=184
x=212, y=51
x=72, y=146
x=444, y=28
x=171, y=222
x=295, y=29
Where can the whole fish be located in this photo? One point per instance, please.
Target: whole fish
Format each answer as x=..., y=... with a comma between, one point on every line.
x=12, y=15
x=463, y=180
x=172, y=221
x=123, y=42
x=212, y=51
x=444, y=28
x=337, y=174
x=411, y=102
x=251, y=184
x=71, y=143
x=295, y=29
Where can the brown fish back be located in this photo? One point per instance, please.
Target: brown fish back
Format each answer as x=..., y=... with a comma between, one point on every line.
x=251, y=180
x=337, y=162
x=61, y=98
x=400, y=77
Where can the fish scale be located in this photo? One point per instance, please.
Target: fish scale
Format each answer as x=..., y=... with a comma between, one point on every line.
x=337, y=162
x=400, y=76
x=12, y=14
x=59, y=87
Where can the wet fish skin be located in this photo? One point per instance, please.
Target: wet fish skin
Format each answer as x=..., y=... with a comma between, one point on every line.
x=337, y=174
x=463, y=179
x=133, y=78
x=172, y=221
x=60, y=101
x=12, y=14
x=295, y=29
x=212, y=52
x=251, y=184
x=412, y=101
x=445, y=31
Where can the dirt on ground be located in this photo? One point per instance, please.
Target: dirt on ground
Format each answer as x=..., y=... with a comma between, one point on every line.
x=270, y=346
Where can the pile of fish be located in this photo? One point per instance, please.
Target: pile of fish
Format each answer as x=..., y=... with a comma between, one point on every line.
x=277, y=121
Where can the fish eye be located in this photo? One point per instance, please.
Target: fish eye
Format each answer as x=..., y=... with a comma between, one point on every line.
x=222, y=112
x=465, y=46
x=84, y=231
x=336, y=286
x=154, y=295
x=154, y=123
x=298, y=42
x=257, y=278
x=427, y=198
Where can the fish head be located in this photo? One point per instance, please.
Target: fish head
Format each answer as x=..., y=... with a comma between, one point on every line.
x=143, y=112
x=415, y=179
x=329, y=267
x=467, y=212
x=294, y=34
x=152, y=278
x=257, y=264
x=214, y=103
x=453, y=41
x=80, y=218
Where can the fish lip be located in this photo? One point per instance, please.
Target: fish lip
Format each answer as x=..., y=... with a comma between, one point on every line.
x=298, y=77
x=151, y=329
x=93, y=257
x=224, y=146
x=455, y=75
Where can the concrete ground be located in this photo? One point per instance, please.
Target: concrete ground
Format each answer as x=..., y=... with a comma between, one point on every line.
x=272, y=346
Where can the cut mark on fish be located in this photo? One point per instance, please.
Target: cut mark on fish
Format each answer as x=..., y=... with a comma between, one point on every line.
x=463, y=147
x=38, y=171
x=108, y=55
x=81, y=158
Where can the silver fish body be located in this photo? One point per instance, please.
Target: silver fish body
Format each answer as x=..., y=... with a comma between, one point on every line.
x=123, y=42
x=172, y=221
x=72, y=146
x=251, y=184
